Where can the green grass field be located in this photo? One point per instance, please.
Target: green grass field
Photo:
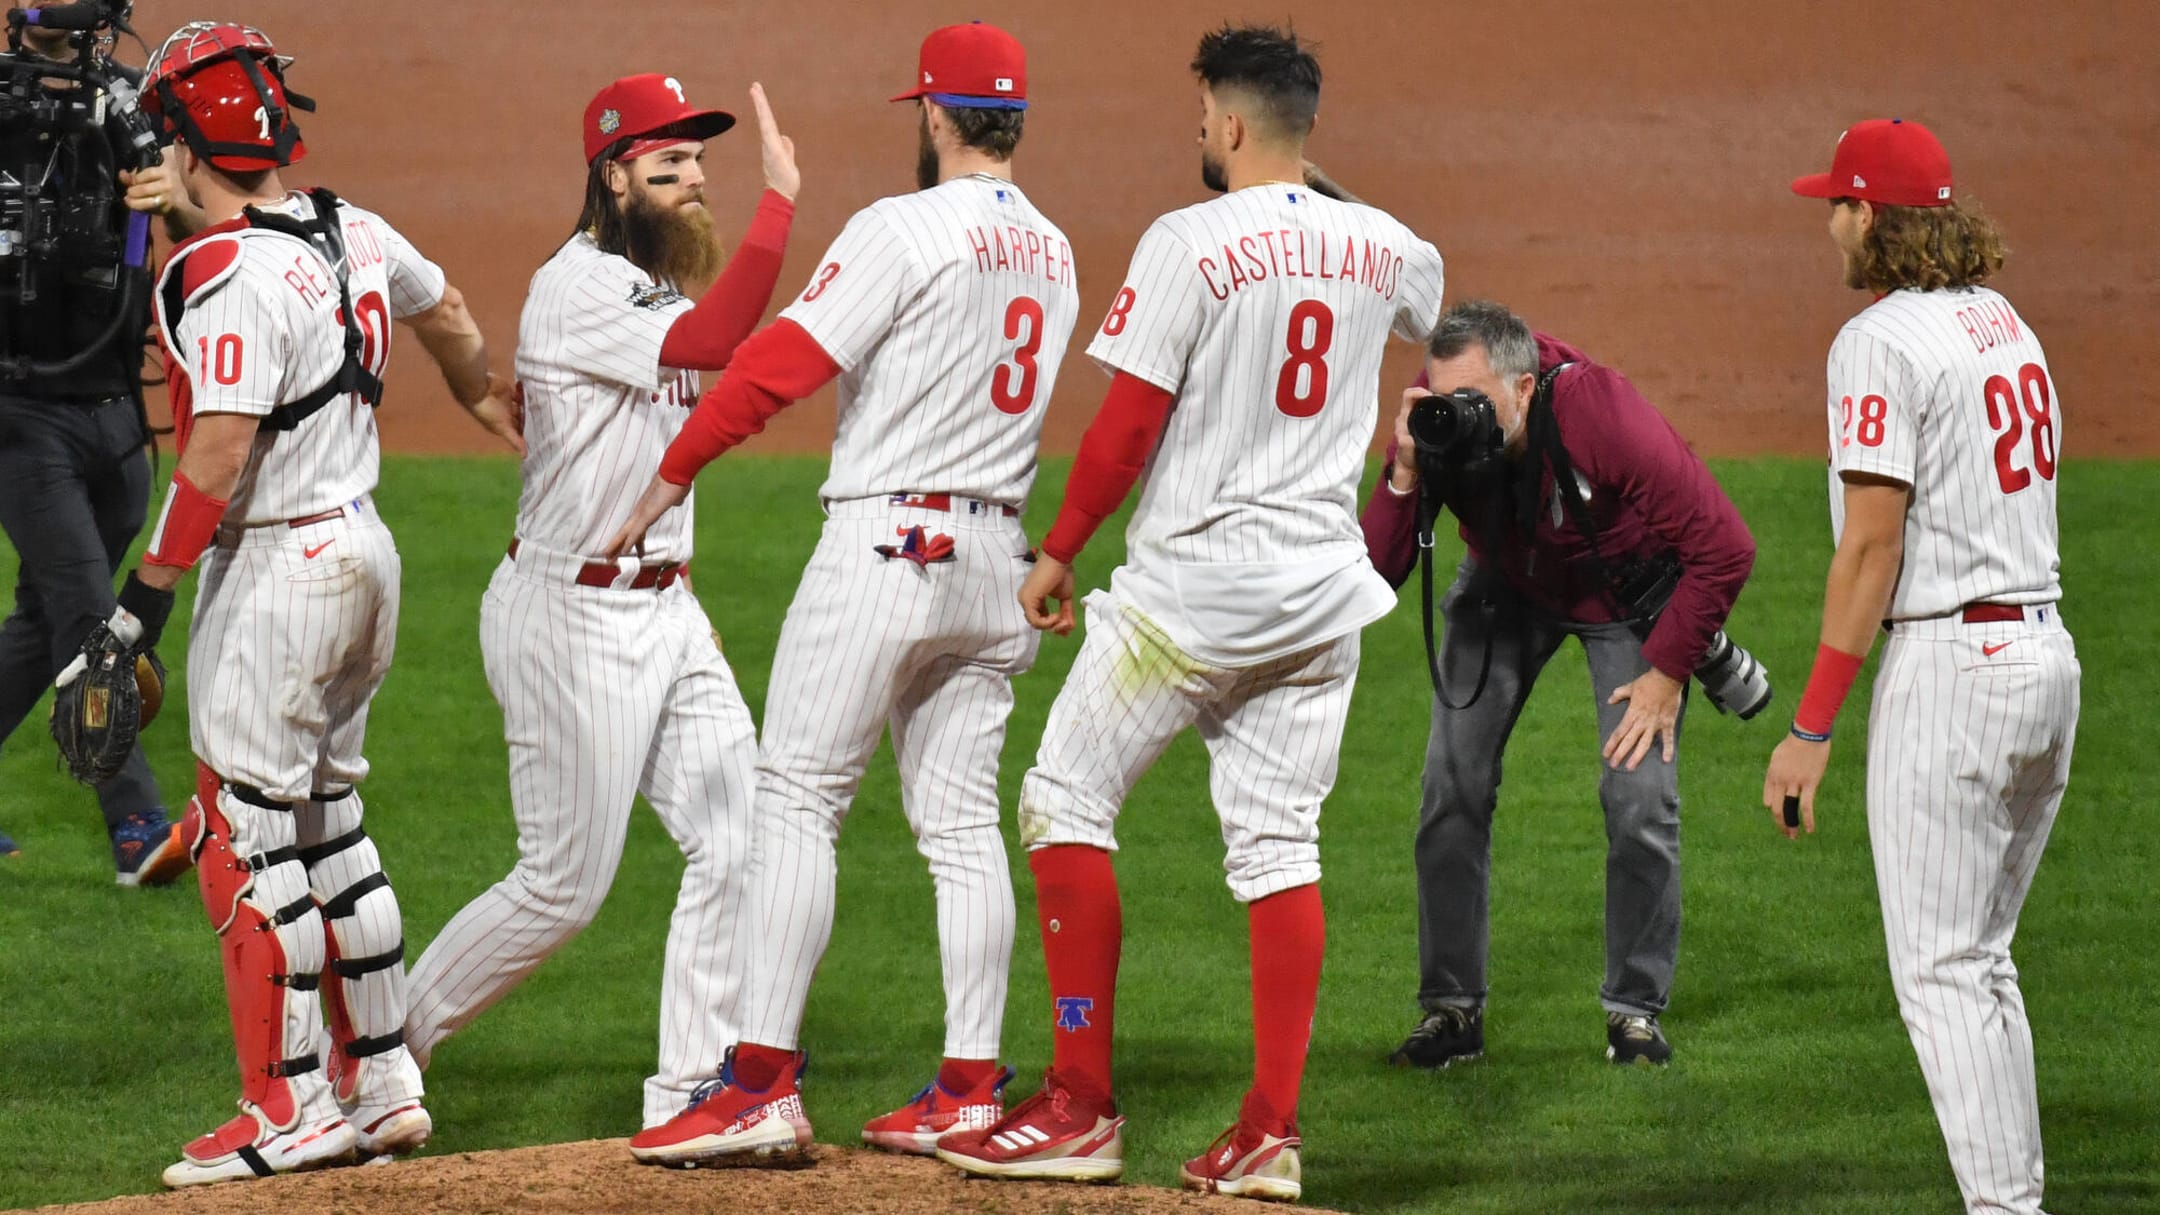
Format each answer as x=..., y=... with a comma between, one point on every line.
x=1793, y=1090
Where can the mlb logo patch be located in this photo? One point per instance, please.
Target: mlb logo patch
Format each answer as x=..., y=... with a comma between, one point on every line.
x=1003, y=84
x=1072, y=1013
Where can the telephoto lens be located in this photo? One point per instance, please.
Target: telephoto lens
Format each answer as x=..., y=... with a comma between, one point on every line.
x=1732, y=680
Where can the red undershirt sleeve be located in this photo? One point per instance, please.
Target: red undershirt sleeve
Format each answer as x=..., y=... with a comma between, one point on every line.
x=1112, y=453
x=705, y=337
x=778, y=366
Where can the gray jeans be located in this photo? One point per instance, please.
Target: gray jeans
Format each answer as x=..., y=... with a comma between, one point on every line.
x=74, y=487
x=1462, y=786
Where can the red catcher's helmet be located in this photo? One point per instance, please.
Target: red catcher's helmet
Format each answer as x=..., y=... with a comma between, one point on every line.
x=221, y=88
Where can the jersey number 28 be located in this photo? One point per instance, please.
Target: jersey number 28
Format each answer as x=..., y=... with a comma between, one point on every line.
x=2008, y=408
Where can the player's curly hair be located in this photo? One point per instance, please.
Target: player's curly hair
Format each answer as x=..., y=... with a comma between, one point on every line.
x=994, y=131
x=1271, y=64
x=1928, y=248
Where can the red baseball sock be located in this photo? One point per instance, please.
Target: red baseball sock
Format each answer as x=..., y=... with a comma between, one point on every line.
x=1289, y=936
x=756, y=1067
x=962, y=1075
x=1083, y=927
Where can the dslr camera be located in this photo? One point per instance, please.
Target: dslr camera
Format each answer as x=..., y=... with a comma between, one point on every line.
x=1732, y=680
x=1456, y=433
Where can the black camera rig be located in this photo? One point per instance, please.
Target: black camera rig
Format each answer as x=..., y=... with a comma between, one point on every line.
x=1460, y=441
x=55, y=217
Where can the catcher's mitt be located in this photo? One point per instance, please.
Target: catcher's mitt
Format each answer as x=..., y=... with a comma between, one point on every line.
x=113, y=689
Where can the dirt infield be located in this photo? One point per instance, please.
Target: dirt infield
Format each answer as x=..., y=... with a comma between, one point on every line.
x=599, y=1178
x=1616, y=172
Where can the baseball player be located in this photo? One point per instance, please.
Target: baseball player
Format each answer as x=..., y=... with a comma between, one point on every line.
x=1262, y=315
x=609, y=674
x=1945, y=429
x=275, y=322
x=945, y=314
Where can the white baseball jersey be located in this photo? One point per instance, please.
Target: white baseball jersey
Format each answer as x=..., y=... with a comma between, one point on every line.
x=606, y=691
x=600, y=410
x=1973, y=722
x=1949, y=392
x=948, y=311
x=262, y=329
x=1267, y=312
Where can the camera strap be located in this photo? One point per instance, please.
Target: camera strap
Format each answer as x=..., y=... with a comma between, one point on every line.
x=1545, y=439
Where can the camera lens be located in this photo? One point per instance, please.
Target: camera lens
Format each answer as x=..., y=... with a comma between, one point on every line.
x=1732, y=680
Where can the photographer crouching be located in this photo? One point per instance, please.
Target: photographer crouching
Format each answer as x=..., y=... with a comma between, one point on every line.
x=1641, y=560
x=81, y=172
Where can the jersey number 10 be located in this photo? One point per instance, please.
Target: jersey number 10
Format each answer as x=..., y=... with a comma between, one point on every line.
x=2008, y=408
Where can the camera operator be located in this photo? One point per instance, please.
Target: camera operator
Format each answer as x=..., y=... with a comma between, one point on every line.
x=74, y=308
x=1642, y=565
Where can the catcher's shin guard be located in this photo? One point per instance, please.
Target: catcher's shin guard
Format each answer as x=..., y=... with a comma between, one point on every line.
x=271, y=938
x=371, y=1073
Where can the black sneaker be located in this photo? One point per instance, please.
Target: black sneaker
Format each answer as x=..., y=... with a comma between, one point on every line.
x=1632, y=1038
x=1447, y=1035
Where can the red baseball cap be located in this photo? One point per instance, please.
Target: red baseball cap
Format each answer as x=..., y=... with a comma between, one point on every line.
x=639, y=106
x=1884, y=160
x=972, y=66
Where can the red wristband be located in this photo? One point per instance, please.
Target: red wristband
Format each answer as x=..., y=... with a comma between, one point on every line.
x=1832, y=678
x=186, y=526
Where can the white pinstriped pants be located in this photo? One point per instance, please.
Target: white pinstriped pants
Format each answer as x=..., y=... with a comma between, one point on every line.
x=607, y=693
x=1968, y=756
x=930, y=650
x=1273, y=733
x=287, y=649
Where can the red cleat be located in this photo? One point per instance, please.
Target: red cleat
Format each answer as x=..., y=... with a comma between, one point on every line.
x=729, y=1124
x=1055, y=1135
x=916, y=1127
x=1256, y=1158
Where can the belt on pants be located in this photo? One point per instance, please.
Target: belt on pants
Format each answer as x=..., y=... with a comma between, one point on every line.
x=1985, y=613
x=947, y=502
x=603, y=574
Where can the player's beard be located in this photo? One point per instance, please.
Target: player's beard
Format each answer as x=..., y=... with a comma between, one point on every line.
x=673, y=244
x=927, y=168
x=1212, y=173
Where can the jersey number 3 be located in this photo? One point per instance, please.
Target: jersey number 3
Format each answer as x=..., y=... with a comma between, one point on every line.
x=2008, y=408
x=1011, y=390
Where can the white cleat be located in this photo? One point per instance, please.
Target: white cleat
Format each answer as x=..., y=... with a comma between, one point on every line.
x=245, y=1148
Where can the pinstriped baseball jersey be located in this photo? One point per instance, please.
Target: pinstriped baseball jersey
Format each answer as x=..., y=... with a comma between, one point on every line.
x=599, y=408
x=265, y=330
x=1949, y=392
x=948, y=312
x=1267, y=312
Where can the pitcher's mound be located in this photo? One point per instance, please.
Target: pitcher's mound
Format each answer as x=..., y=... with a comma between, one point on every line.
x=599, y=1178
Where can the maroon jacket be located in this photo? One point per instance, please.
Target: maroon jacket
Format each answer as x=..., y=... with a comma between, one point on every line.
x=1649, y=494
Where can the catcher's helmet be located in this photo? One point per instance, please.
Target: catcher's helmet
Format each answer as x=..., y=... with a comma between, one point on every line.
x=221, y=88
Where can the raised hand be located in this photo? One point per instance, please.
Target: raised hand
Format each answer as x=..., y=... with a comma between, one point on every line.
x=777, y=149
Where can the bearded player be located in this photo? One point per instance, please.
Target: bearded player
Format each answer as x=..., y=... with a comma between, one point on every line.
x=1262, y=315
x=944, y=314
x=1945, y=430
x=609, y=674
x=275, y=325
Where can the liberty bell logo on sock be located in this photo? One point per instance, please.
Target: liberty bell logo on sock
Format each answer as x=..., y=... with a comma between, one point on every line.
x=1072, y=1013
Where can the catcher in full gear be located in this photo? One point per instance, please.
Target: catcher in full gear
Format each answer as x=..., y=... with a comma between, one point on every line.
x=275, y=327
